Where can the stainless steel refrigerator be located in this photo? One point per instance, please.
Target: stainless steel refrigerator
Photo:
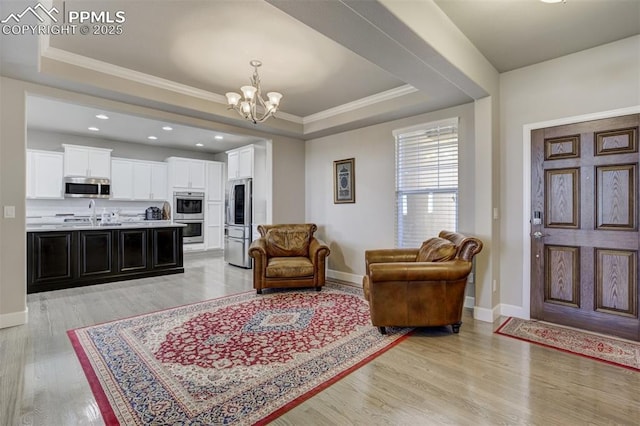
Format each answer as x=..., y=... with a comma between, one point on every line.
x=237, y=229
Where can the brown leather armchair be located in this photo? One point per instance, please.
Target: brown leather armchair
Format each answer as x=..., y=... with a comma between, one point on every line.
x=420, y=287
x=288, y=256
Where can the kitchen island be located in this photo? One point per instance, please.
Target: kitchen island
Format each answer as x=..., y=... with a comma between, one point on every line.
x=72, y=255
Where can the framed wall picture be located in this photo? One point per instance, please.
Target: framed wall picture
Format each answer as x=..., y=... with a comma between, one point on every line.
x=344, y=181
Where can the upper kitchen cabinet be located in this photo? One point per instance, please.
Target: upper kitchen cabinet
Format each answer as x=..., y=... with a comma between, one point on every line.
x=159, y=181
x=149, y=180
x=86, y=161
x=138, y=180
x=122, y=179
x=240, y=162
x=44, y=174
x=186, y=173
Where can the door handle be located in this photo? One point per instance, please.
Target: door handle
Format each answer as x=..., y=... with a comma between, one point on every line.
x=537, y=235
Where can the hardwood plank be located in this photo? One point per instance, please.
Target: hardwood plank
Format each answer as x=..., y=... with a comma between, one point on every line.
x=433, y=377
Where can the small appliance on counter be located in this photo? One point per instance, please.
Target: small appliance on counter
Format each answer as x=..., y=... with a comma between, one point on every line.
x=153, y=213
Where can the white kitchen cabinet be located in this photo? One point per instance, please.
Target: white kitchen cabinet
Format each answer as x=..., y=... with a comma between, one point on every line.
x=30, y=177
x=214, y=219
x=159, y=182
x=240, y=163
x=141, y=181
x=138, y=180
x=87, y=161
x=214, y=225
x=45, y=174
x=215, y=181
x=121, y=179
x=185, y=173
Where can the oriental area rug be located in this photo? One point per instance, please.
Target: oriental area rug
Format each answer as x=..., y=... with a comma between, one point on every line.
x=612, y=350
x=241, y=359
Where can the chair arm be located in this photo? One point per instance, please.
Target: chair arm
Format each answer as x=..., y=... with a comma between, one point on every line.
x=389, y=256
x=419, y=271
x=258, y=248
x=317, y=250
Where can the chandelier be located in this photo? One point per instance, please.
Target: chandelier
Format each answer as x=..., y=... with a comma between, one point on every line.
x=253, y=107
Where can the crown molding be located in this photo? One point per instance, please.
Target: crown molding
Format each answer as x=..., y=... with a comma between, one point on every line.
x=140, y=77
x=129, y=74
x=360, y=103
x=161, y=83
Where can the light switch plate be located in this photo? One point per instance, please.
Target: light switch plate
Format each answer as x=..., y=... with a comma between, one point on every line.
x=9, y=212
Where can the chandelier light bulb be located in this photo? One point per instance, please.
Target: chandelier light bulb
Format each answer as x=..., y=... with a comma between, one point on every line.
x=250, y=104
x=274, y=98
x=248, y=92
x=232, y=98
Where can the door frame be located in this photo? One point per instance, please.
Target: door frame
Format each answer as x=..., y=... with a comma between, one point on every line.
x=525, y=312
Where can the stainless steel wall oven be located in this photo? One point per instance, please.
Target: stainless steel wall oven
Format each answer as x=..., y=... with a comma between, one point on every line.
x=188, y=205
x=194, y=231
x=188, y=208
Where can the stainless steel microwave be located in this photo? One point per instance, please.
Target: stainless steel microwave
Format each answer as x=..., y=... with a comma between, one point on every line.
x=82, y=187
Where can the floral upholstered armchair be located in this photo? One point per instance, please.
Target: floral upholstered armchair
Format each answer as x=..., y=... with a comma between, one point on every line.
x=288, y=256
x=420, y=287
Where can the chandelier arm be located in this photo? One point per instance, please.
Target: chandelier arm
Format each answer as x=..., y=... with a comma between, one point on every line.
x=255, y=108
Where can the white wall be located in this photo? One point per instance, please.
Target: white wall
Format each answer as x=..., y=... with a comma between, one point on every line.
x=592, y=81
x=350, y=229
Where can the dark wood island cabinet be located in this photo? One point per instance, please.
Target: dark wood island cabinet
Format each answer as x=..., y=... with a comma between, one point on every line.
x=64, y=258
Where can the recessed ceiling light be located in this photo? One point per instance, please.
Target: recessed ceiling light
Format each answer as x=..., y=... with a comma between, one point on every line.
x=94, y=129
x=199, y=144
x=553, y=1
x=102, y=116
x=218, y=137
x=167, y=128
x=153, y=138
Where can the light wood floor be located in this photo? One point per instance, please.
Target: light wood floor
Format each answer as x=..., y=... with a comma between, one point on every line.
x=432, y=378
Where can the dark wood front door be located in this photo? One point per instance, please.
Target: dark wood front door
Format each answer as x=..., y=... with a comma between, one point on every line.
x=584, y=225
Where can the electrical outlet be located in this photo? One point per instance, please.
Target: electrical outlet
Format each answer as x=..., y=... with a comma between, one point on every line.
x=495, y=285
x=9, y=212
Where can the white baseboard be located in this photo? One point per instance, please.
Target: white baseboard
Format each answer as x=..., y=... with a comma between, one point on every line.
x=485, y=314
x=513, y=311
x=344, y=276
x=14, y=318
x=490, y=315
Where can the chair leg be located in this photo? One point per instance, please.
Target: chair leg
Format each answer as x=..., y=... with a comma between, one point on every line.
x=382, y=330
x=259, y=291
x=456, y=327
x=318, y=288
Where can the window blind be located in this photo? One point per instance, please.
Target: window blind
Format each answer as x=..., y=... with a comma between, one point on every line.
x=426, y=181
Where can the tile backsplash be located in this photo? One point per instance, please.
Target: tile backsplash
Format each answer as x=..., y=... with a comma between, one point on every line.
x=47, y=211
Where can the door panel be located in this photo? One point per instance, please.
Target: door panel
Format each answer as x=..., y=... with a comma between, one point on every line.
x=562, y=284
x=585, y=238
x=615, y=192
x=562, y=198
x=616, y=277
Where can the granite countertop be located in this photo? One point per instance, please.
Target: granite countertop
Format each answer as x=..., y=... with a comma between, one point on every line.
x=83, y=226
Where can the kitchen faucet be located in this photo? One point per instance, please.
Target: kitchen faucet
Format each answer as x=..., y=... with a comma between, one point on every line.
x=92, y=206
